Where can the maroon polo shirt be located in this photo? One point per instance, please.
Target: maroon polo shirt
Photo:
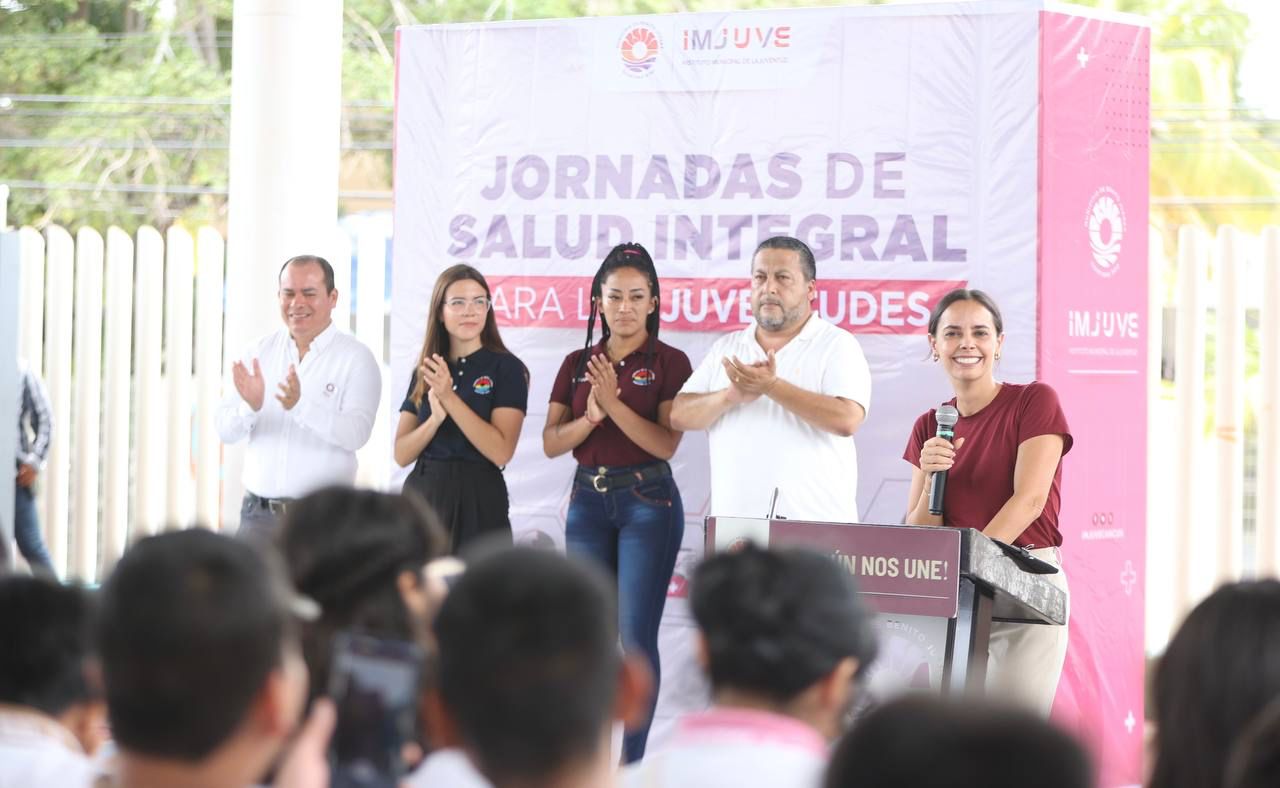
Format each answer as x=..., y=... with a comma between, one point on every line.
x=647, y=379
x=981, y=481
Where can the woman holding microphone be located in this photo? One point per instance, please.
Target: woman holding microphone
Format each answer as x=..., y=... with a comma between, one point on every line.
x=1004, y=477
x=611, y=406
x=461, y=417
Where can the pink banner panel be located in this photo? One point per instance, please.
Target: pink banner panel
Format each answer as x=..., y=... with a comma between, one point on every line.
x=1093, y=323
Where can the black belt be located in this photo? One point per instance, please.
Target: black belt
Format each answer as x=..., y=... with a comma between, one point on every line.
x=602, y=479
x=277, y=506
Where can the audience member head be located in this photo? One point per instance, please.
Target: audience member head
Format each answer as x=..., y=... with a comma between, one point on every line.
x=47, y=659
x=784, y=629
x=1255, y=758
x=1219, y=671
x=530, y=671
x=927, y=742
x=359, y=554
x=199, y=658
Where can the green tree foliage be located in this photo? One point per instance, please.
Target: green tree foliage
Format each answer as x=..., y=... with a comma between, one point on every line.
x=117, y=114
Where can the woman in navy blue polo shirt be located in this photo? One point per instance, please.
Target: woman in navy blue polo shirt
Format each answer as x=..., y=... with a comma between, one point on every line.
x=462, y=415
x=611, y=406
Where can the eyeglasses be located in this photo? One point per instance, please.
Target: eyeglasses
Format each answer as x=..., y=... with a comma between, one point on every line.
x=481, y=303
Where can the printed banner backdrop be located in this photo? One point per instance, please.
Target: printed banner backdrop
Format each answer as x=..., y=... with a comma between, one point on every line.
x=1093, y=351
x=901, y=142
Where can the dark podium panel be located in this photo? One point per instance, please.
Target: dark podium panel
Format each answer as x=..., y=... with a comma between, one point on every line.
x=955, y=574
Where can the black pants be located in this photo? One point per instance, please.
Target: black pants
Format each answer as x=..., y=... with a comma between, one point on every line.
x=469, y=497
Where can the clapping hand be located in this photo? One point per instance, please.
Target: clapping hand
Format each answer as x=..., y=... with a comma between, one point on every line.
x=435, y=371
x=604, y=383
x=438, y=414
x=748, y=381
x=248, y=384
x=290, y=388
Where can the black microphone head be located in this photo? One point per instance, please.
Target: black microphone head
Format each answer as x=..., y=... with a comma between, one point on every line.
x=947, y=416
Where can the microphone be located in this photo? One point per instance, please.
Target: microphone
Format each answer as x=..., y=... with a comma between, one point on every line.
x=947, y=416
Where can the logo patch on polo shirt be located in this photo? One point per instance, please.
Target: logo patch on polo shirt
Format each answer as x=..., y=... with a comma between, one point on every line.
x=643, y=377
x=483, y=385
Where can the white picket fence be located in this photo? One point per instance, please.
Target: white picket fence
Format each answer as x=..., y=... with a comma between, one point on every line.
x=128, y=336
x=1197, y=534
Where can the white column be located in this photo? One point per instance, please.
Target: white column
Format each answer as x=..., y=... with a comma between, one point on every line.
x=150, y=414
x=371, y=251
x=31, y=303
x=11, y=275
x=116, y=397
x=179, y=289
x=1159, y=551
x=83, y=563
x=1190, y=407
x=60, y=271
x=1228, y=275
x=210, y=250
x=286, y=102
x=1269, y=407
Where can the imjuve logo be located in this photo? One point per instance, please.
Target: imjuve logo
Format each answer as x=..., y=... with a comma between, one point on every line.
x=638, y=48
x=1105, y=223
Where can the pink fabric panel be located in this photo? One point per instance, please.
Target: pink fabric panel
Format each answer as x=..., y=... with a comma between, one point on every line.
x=1094, y=124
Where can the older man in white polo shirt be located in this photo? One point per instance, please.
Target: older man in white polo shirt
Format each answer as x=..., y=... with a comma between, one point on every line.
x=781, y=400
x=325, y=386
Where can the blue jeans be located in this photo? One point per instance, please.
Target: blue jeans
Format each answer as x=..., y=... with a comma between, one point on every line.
x=259, y=526
x=26, y=531
x=636, y=533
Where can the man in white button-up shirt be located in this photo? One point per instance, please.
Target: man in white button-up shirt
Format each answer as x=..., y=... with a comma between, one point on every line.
x=781, y=400
x=305, y=398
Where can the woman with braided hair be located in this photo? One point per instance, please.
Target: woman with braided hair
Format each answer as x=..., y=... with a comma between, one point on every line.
x=611, y=406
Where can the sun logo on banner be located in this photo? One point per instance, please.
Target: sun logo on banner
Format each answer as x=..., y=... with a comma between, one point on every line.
x=643, y=377
x=483, y=385
x=1106, y=230
x=639, y=49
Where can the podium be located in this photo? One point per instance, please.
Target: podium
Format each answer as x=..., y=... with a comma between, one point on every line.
x=952, y=574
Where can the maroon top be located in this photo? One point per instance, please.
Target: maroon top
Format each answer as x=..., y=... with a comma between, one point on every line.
x=645, y=382
x=981, y=481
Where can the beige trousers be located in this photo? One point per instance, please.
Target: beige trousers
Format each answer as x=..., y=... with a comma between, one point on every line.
x=1024, y=661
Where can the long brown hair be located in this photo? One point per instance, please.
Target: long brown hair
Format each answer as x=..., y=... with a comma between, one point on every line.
x=437, y=339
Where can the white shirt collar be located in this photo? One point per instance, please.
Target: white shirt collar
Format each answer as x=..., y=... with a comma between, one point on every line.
x=807, y=332
x=321, y=341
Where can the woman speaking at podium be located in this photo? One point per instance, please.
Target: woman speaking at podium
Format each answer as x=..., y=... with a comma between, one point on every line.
x=611, y=406
x=1004, y=476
